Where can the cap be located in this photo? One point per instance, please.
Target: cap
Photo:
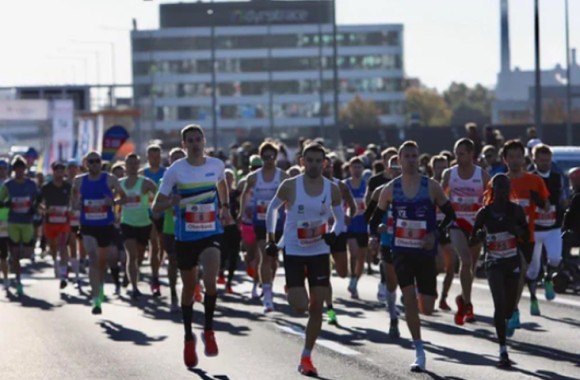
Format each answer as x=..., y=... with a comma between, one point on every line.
x=72, y=162
x=57, y=164
x=256, y=160
x=533, y=142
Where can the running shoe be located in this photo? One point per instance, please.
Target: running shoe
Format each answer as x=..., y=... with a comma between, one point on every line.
x=19, y=289
x=125, y=282
x=419, y=364
x=504, y=361
x=443, y=305
x=221, y=280
x=97, y=307
x=394, y=329
x=331, y=317
x=208, y=339
x=268, y=305
x=251, y=271
x=197, y=295
x=135, y=294
x=306, y=367
x=156, y=289
x=63, y=284
x=382, y=293
x=229, y=289
x=351, y=286
x=534, y=308
x=469, y=316
x=189, y=355
x=460, y=314
x=514, y=321
x=255, y=294
x=549, y=290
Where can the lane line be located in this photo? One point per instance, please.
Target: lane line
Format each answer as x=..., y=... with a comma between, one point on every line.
x=334, y=346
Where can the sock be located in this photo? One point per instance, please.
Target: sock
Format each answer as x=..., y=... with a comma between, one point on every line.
x=115, y=274
x=187, y=314
x=502, y=350
x=63, y=271
x=209, y=306
x=355, y=282
x=155, y=280
x=267, y=291
x=75, y=266
x=418, y=346
x=532, y=285
x=306, y=353
x=391, y=300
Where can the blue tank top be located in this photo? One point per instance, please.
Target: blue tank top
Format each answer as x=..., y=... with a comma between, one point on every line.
x=155, y=177
x=413, y=219
x=94, y=211
x=358, y=224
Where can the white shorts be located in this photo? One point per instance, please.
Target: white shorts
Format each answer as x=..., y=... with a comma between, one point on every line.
x=550, y=239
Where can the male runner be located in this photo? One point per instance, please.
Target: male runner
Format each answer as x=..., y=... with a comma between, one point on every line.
x=201, y=206
x=309, y=199
x=4, y=241
x=465, y=183
x=413, y=199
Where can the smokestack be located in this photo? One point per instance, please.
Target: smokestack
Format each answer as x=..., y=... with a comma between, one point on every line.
x=505, y=37
x=574, y=62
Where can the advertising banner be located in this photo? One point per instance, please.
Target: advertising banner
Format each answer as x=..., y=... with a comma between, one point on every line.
x=62, y=129
x=113, y=139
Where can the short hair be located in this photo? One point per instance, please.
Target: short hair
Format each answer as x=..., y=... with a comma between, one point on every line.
x=314, y=147
x=118, y=165
x=487, y=148
x=267, y=145
x=436, y=159
x=132, y=155
x=541, y=149
x=175, y=150
x=393, y=159
x=153, y=148
x=408, y=144
x=191, y=128
x=379, y=166
x=470, y=126
x=511, y=145
x=18, y=160
x=356, y=160
x=390, y=150
x=467, y=143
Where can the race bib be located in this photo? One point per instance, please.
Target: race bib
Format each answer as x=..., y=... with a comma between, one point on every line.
x=57, y=214
x=390, y=223
x=20, y=205
x=95, y=209
x=546, y=218
x=360, y=206
x=200, y=217
x=75, y=218
x=465, y=207
x=410, y=233
x=501, y=244
x=310, y=232
x=3, y=228
x=133, y=201
x=261, y=209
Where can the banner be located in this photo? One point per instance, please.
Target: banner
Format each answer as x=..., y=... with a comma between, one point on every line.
x=62, y=129
x=86, y=139
x=100, y=132
x=113, y=138
x=19, y=109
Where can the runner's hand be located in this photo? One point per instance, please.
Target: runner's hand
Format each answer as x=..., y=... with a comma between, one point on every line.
x=271, y=249
x=374, y=243
x=383, y=228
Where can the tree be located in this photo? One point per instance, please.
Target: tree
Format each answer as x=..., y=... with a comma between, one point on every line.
x=469, y=104
x=429, y=104
x=360, y=113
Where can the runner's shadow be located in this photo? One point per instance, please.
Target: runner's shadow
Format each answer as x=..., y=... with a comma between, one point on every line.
x=380, y=337
x=27, y=301
x=570, y=321
x=119, y=333
x=359, y=304
x=74, y=300
x=550, y=353
x=204, y=376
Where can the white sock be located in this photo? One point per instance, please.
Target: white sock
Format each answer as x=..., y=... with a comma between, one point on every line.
x=391, y=300
x=267, y=291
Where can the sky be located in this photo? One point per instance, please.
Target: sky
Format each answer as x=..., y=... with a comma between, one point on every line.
x=444, y=40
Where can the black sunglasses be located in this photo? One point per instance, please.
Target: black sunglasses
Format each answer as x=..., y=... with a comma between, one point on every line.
x=94, y=161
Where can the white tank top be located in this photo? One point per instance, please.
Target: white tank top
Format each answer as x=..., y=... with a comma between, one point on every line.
x=336, y=181
x=307, y=220
x=264, y=192
x=466, y=196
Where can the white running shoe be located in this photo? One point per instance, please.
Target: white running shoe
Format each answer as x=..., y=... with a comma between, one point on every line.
x=420, y=363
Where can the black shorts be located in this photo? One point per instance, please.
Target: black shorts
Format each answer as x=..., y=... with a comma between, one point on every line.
x=339, y=245
x=188, y=252
x=316, y=268
x=386, y=254
x=169, y=244
x=260, y=232
x=104, y=235
x=4, y=248
x=445, y=239
x=141, y=234
x=158, y=223
x=362, y=238
x=416, y=269
x=510, y=267
x=527, y=250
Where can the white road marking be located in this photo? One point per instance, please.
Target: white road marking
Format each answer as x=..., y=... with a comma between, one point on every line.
x=337, y=347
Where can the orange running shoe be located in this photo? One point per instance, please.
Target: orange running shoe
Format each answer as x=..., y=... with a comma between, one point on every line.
x=208, y=339
x=197, y=295
x=469, y=316
x=306, y=367
x=460, y=315
x=221, y=280
x=189, y=355
x=251, y=271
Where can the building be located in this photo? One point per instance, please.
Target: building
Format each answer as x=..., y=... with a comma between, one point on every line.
x=273, y=70
x=514, y=93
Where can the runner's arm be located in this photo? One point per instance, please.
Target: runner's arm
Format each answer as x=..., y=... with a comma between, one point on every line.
x=164, y=199
x=440, y=199
x=279, y=199
x=116, y=187
x=385, y=199
x=348, y=199
x=248, y=184
x=337, y=210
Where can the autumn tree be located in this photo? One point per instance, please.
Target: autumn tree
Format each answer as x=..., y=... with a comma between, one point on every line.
x=429, y=105
x=360, y=113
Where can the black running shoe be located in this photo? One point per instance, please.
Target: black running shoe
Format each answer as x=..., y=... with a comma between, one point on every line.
x=63, y=284
x=504, y=361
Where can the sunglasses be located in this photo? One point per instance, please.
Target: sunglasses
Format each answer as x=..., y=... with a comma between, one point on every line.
x=268, y=156
x=94, y=161
x=197, y=139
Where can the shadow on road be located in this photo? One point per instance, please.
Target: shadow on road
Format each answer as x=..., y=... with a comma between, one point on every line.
x=120, y=333
x=27, y=301
x=570, y=321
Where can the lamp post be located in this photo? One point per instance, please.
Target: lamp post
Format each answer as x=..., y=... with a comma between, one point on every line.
x=568, y=83
x=214, y=113
x=538, y=81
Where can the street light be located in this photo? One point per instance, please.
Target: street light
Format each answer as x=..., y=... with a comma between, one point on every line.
x=538, y=84
x=568, y=83
x=84, y=52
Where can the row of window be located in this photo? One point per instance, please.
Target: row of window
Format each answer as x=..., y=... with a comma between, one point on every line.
x=384, y=38
x=256, y=88
x=250, y=65
x=261, y=111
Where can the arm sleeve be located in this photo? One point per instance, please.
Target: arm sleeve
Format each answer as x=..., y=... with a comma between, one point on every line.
x=338, y=214
x=449, y=212
x=369, y=210
x=572, y=213
x=272, y=214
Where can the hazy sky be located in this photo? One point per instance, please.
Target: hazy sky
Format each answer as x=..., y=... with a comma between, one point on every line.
x=445, y=40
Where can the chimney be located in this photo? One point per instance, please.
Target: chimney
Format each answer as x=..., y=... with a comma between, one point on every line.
x=505, y=37
x=573, y=58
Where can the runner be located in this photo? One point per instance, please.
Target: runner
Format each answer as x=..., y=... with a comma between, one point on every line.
x=232, y=237
x=94, y=193
x=264, y=182
x=20, y=194
x=357, y=230
x=505, y=224
x=465, y=184
x=309, y=199
x=135, y=222
x=386, y=239
x=154, y=171
x=118, y=255
x=76, y=247
x=4, y=241
x=529, y=191
x=548, y=225
x=414, y=245
x=200, y=183
x=169, y=239
x=55, y=197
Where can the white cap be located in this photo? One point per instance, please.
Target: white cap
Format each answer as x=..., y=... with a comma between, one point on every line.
x=533, y=142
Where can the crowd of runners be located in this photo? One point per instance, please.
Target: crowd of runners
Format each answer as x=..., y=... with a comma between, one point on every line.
x=317, y=214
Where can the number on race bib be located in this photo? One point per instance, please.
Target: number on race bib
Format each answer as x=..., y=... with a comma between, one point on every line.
x=546, y=218
x=200, y=217
x=310, y=232
x=57, y=214
x=410, y=233
x=21, y=205
x=133, y=201
x=95, y=209
x=501, y=244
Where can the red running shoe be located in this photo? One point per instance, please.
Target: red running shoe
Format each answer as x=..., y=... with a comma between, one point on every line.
x=443, y=305
x=306, y=367
x=221, y=280
x=469, y=316
x=229, y=289
x=208, y=339
x=189, y=355
x=460, y=315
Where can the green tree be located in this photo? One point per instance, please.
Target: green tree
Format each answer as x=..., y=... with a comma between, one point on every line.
x=469, y=104
x=360, y=113
x=429, y=105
